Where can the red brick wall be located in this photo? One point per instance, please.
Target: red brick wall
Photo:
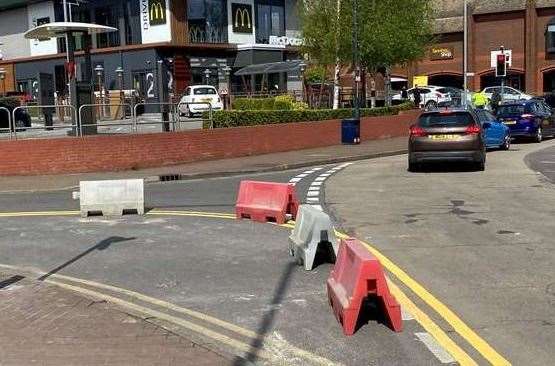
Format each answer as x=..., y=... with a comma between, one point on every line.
x=123, y=152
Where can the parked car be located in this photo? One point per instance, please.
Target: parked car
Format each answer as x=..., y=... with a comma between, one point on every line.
x=509, y=93
x=431, y=96
x=529, y=119
x=22, y=120
x=447, y=135
x=191, y=102
x=497, y=134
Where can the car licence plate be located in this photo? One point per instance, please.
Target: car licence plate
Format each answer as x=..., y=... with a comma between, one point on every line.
x=444, y=137
x=510, y=122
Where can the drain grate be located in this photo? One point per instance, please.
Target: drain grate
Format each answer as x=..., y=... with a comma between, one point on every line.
x=169, y=177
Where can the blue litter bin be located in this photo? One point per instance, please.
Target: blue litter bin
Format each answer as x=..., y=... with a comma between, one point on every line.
x=350, y=131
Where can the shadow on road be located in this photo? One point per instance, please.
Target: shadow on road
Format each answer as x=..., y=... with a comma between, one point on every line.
x=268, y=320
x=103, y=245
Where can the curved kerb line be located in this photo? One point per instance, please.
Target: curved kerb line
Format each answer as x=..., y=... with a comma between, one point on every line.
x=443, y=311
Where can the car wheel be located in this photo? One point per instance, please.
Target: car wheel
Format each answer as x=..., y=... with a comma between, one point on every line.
x=431, y=105
x=539, y=135
x=414, y=167
x=507, y=144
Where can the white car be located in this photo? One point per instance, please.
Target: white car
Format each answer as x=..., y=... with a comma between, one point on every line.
x=430, y=95
x=508, y=93
x=197, y=100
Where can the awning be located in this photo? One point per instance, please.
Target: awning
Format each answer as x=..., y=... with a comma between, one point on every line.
x=272, y=68
x=50, y=30
x=395, y=79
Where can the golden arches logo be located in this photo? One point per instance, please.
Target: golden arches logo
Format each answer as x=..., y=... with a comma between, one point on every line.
x=243, y=18
x=157, y=12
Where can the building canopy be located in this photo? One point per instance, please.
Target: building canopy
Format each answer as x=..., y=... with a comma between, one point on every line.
x=271, y=68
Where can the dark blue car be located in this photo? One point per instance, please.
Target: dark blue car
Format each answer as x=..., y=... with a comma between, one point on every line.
x=532, y=119
x=497, y=135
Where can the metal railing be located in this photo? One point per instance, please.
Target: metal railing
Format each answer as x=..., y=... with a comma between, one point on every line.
x=162, y=106
x=187, y=104
x=47, y=127
x=88, y=126
x=10, y=127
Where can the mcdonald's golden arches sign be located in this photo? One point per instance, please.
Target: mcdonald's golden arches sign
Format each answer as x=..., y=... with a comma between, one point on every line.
x=157, y=12
x=242, y=18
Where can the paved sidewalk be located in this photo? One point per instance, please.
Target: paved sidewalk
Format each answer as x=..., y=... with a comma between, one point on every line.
x=244, y=165
x=42, y=324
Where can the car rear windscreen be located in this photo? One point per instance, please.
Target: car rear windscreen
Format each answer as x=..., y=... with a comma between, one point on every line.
x=205, y=91
x=510, y=110
x=446, y=119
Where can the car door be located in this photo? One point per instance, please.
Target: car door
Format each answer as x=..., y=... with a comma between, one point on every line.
x=497, y=130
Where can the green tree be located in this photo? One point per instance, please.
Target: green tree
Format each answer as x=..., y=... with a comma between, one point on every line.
x=390, y=32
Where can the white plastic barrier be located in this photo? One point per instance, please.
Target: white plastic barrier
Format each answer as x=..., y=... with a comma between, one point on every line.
x=112, y=197
x=313, y=233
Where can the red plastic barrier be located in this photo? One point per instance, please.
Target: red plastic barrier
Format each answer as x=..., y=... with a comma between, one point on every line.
x=265, y=201
x=357, y=273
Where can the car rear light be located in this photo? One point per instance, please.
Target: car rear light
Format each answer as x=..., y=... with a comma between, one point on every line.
x=527, y=116
x=473, y=130
x=417, y=131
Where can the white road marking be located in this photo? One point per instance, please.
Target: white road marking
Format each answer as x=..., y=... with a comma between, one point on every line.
x=295, y=180
x=316, y=184
x=320, y=179
x=405, y=315
x=547, y=162
x=441, y=354
x=313, y=199
x=318, y=207
x=312, y=188
x=313, y=193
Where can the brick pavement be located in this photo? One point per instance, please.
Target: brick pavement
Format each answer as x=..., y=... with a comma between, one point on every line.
x=41, y=324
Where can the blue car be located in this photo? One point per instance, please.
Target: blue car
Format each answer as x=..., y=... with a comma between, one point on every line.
x=497, y=134
x=532, y=119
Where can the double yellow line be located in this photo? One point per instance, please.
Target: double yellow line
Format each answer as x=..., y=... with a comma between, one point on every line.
x=478, y=343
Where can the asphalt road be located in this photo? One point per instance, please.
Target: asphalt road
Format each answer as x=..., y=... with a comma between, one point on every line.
x=239, y=272
x=543, y=161
x=481, y=241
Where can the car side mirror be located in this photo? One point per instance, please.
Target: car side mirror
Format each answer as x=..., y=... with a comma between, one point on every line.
x=486, y=125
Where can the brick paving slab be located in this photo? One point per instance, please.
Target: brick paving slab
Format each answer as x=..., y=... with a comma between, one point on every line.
x=41, y=324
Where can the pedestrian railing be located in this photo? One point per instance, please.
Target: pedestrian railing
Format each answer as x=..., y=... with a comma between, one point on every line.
x=89, y=124
x=47, y=123
x=184, y=110
x=9, y=129
x=166, y=108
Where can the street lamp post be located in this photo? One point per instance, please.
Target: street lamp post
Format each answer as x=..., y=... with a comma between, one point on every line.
x=99, y=70
x=302, y=69
x=3, y=78
x=356, y=62
x=207, y=75
x=227, y=72
x=119, y=74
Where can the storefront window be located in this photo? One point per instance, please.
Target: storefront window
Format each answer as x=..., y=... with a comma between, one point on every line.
x=207, y=21
x=107, y=16
x=550, y=37
x=270, y=20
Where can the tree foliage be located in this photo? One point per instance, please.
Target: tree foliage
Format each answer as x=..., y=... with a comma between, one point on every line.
x=391, y=32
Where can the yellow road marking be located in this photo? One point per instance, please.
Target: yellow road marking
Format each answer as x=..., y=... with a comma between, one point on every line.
x=172, y=319
x=169, y=306
x=39, y=213
x=449, y=316
x=458, y=325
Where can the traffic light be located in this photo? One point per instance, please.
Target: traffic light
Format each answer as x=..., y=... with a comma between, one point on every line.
x=501, y=66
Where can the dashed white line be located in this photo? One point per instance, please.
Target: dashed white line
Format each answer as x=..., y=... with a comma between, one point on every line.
x=295, y=180
x=313, y=193
x=441, y=354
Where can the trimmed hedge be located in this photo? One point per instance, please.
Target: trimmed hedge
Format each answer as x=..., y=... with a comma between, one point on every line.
x=254, y=104
x=224, y=119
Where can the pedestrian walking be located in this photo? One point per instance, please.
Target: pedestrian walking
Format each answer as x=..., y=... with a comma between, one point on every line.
x=495, y=101
x=417, y=96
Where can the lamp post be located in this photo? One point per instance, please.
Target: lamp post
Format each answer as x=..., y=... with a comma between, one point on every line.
x=302, y=69
x=3, y=78
x=119, y=74
x=207, y=75
x=356, y=105
x=227, y=72
x=99, y=70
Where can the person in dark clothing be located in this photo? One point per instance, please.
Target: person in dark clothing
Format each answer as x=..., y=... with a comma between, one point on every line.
x=417, y=96
x=495, y=101
x=404, y=94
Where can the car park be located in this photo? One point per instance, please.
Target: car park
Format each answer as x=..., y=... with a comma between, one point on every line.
x=532, y=119
x=451, y=135
x=507, y=92
x=497, y=134
x=198, y=99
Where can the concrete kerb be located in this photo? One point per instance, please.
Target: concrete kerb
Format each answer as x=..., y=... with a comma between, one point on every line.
x=313, y=229
x=112, y=197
